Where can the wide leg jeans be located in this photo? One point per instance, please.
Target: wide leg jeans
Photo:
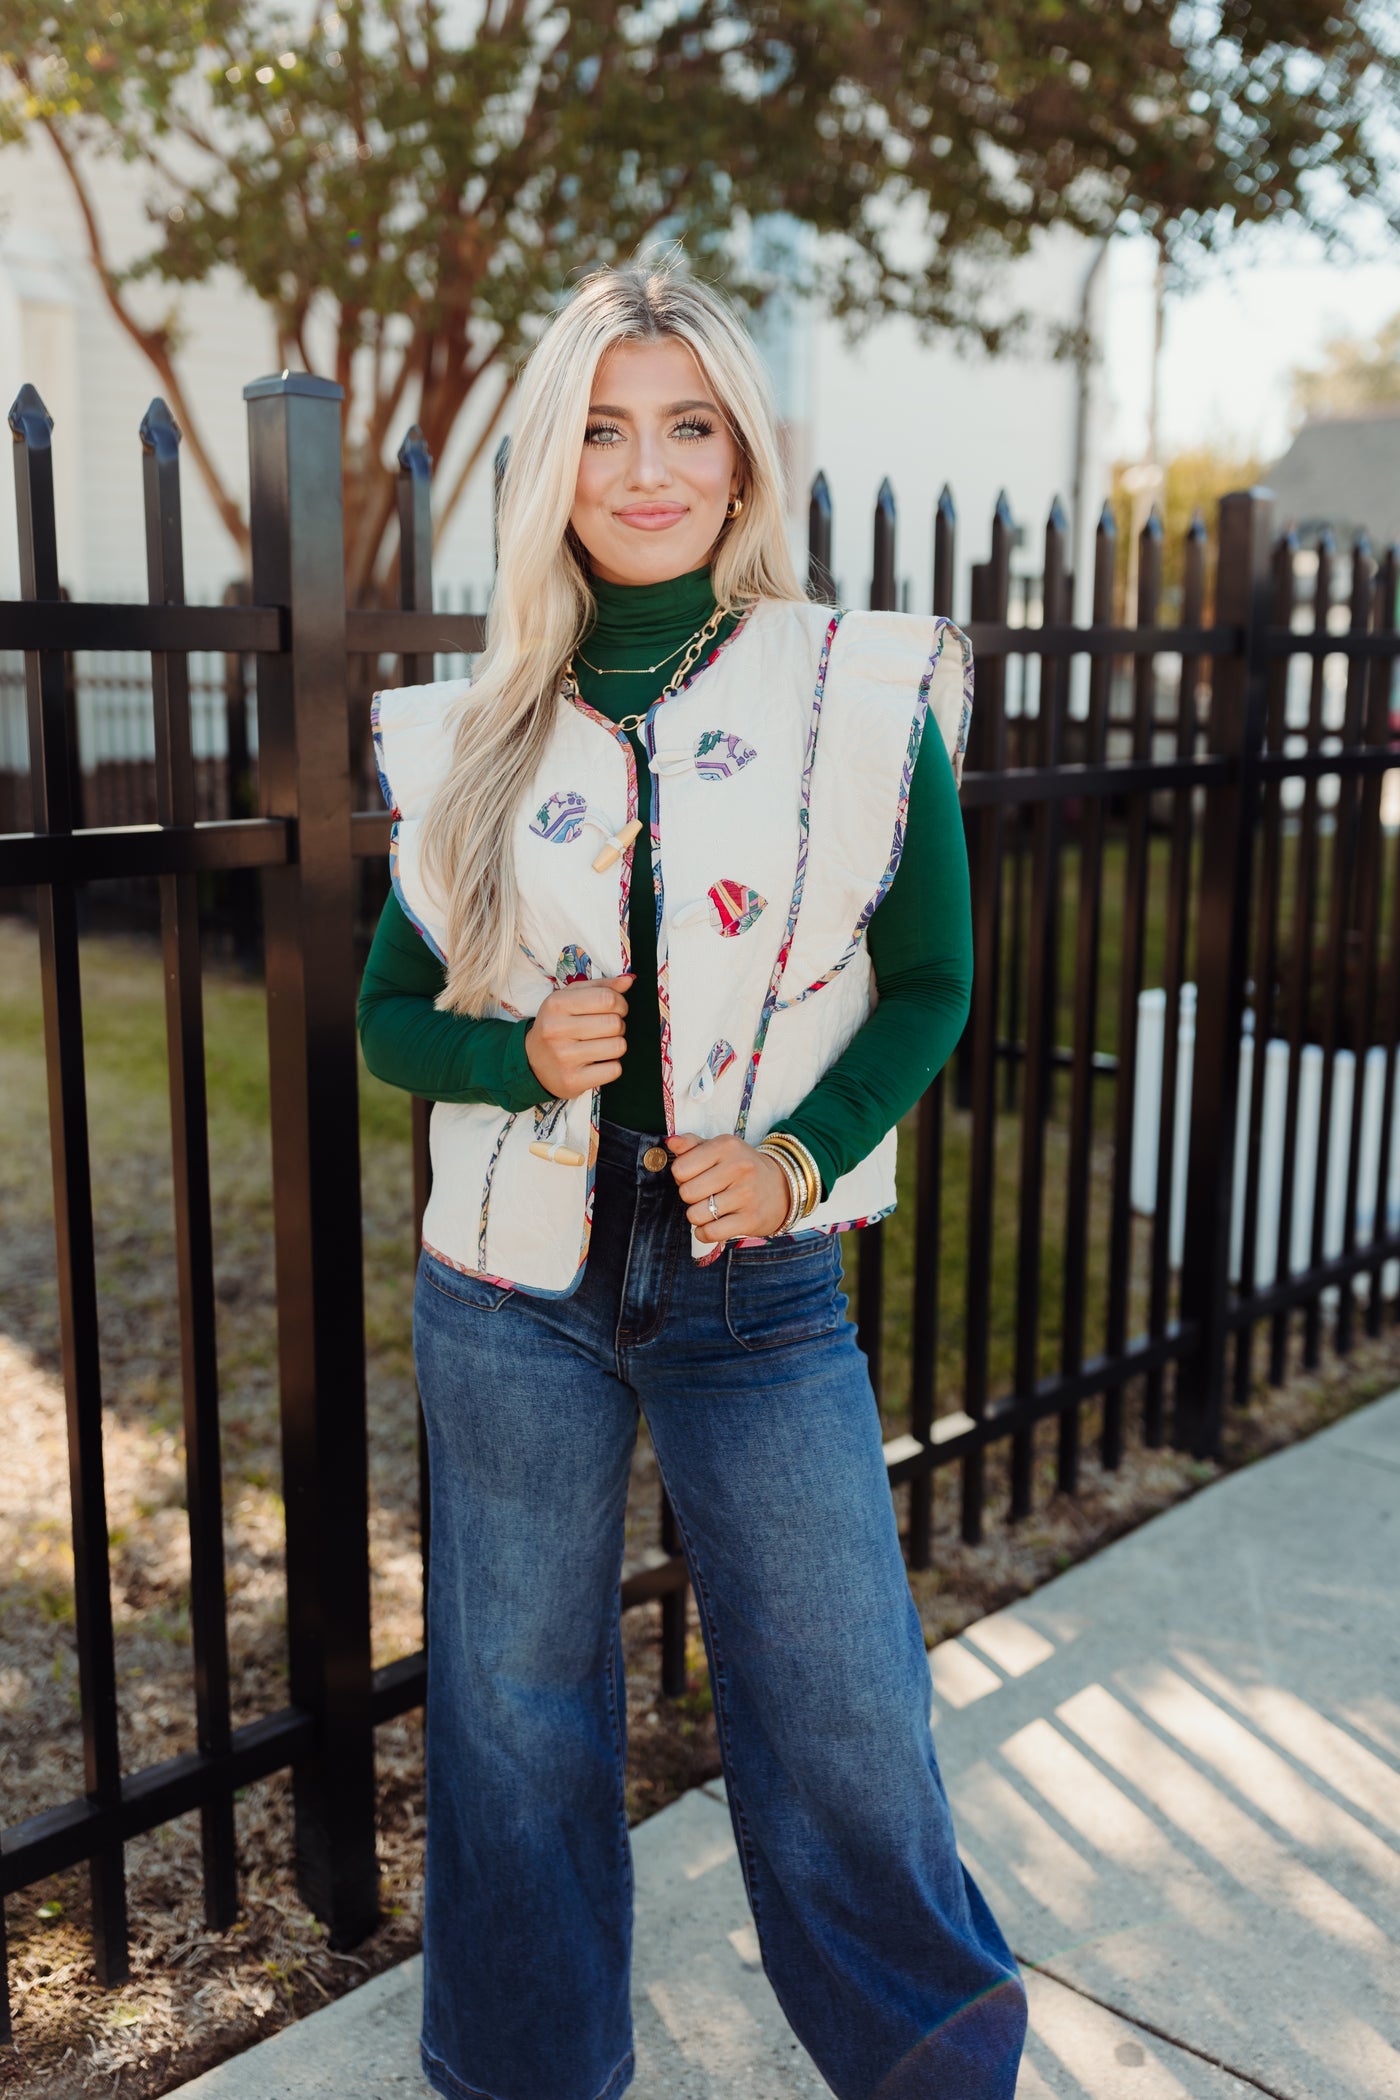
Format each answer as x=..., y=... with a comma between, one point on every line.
x=883, y=1954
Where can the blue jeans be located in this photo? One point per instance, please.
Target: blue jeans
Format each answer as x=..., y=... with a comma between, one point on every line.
x=883, y=1954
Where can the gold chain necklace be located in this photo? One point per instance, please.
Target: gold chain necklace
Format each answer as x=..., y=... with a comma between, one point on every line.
x=631, y=723
x=623, y=671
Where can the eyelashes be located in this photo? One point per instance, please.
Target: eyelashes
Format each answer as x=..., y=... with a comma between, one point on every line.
x=691, y=430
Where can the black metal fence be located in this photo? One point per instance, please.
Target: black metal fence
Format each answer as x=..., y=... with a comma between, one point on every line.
x=1186, y=770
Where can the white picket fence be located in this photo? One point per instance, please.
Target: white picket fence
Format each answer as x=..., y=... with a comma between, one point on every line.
x=1147, y=1108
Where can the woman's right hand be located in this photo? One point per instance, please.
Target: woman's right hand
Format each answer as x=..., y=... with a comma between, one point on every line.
x=577, y=1039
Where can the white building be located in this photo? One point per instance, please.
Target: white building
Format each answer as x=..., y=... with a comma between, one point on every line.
x=889, y=405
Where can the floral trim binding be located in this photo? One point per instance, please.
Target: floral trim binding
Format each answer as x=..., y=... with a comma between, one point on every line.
x=959, y=751
x=547, y=1115
x=571, y=957
x=663, y=959
x=619, y=736
x=395, y=881
x=804, y=821
x=770, y=997
x=816, y=1231
x=509, y=1283
x=573, y=963
x=377, y=735
x=396, y=885
x=906, y=780
x=481, y=1275
x=505, y=1132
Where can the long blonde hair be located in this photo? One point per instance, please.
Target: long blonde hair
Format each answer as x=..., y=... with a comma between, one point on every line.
x=542, y=605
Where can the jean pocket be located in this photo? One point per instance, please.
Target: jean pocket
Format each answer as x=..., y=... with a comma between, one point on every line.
x=786, y=1292
x=482, y=1292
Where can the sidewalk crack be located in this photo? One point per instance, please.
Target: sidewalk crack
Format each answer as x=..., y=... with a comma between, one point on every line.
x=1160, y=2034
x=1365, y=1458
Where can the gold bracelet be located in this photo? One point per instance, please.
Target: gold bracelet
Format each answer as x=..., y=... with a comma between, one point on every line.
x=791, y=1182
x=782, y=1143
x=798, y=1152
x=780, y=1146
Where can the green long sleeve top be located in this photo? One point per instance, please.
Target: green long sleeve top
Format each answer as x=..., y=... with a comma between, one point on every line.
x=920, y=939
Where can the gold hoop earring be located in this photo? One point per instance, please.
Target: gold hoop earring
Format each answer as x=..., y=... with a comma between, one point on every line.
x=734, y=506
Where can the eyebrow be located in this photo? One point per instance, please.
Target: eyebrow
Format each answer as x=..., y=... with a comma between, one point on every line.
x=605, y=408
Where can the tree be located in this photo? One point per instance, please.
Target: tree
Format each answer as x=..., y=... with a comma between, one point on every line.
x=1356, y=373
x=1192, y=484
x=410, y=193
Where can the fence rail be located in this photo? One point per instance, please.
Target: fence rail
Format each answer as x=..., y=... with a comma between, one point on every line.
x=1124, y=801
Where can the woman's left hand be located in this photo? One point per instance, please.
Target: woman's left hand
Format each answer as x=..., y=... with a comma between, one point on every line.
x=749, y=1188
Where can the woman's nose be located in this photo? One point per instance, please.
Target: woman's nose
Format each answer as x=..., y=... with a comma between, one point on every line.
x=650, y=468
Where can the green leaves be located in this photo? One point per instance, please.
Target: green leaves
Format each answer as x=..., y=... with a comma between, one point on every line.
x=394, y=184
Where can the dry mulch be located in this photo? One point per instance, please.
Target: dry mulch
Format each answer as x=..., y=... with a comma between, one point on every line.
x=195, y=1997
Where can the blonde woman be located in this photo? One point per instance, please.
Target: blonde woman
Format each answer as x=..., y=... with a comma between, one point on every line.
x=650, y=867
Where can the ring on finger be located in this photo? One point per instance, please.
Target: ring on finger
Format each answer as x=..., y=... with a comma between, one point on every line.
x=714, y=1209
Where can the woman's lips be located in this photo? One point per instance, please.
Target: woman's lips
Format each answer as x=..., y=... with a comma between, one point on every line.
x=651, y=517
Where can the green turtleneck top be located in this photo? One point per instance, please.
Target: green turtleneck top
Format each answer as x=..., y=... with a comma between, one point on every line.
x=920, y=939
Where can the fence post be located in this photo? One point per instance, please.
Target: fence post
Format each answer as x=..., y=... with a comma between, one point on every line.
x=238, y=887
x=414, y=495
x=56, y=910
x=819, y=579
x=1239, y=702
x=189, y=1136
x=977, y=1057
x=304, y=776
x=928, y=1171
x=870, y=1277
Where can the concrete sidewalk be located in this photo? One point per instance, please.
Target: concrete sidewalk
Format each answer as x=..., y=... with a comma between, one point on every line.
x=1176, y=1774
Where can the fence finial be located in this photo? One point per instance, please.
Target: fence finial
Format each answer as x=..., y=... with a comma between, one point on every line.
x=159, y=432
x=501, y=462
x=1152, y=529
x=945, y=506
x=413, y=455
x=29, y=419
x=1108, y=524
x=884, y=586
x=820, y=584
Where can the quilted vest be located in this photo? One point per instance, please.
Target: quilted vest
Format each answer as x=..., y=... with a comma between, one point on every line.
x=780, y=785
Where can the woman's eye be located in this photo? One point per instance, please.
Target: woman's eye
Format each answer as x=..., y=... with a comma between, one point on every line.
x=601, y=434
x=692, y=428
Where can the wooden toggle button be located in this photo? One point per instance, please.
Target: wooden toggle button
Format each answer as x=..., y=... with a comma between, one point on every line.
x=558, y=1155
x=616, y=846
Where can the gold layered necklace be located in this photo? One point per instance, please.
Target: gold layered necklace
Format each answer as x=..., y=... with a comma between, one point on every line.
x=627, y=671
x=693, y=650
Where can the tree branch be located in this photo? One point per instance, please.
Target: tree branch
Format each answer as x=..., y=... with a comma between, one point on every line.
x=153, y=345
x=473, y=460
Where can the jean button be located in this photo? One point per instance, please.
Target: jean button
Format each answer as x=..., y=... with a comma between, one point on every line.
x=655, y=1158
